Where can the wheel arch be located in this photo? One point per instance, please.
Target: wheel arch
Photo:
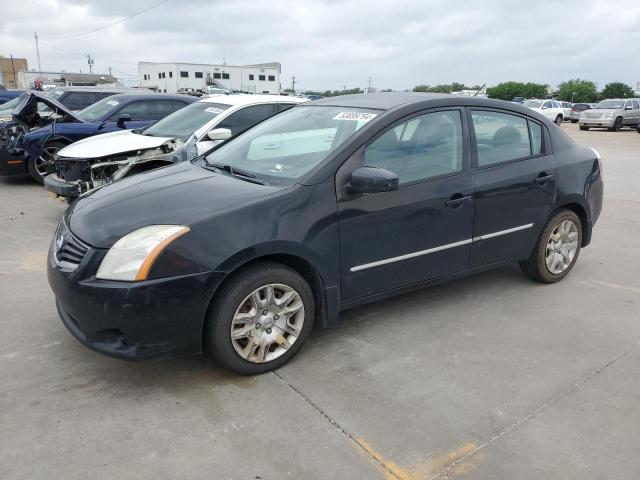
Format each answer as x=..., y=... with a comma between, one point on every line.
x=581, y=212
x=327, y=303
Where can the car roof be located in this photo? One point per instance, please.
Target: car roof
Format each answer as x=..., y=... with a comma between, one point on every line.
x=151, y=96
x=239, y=100
x=379, y=101
x=103, y=89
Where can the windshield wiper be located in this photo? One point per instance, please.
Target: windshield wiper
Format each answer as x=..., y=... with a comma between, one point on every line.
x=238, y=173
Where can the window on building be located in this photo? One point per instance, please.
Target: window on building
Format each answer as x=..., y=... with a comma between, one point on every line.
x=225, y=76
x=424, y=147
x=170, y=74
x=261, y=78
x=251, y=76
x=184, y=74
x=216, y=75
x=272, y=78
x=501, y=137
x=198, y=74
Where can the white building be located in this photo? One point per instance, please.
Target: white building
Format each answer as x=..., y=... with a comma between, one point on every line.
x=174, y=77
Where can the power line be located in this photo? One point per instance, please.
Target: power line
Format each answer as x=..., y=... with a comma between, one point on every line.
x=60, y=37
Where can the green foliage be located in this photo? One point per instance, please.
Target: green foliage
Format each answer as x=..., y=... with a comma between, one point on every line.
x=578, y=91
x=421, y=88
x=616, y=90
x=444, y=88
x=509, y=90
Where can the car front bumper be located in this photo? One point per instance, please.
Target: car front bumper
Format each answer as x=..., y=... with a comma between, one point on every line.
x=131, y=320
x=597, y=122
x=55, y=184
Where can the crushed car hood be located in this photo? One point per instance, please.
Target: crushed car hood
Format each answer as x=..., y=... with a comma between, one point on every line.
x=180, y=194
x=29, y=103
x=111, y=144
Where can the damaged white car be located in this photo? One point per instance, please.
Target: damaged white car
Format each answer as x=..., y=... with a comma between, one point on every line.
x=181, y=136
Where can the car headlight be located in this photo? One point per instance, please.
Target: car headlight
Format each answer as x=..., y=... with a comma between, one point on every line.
x=607, y=115
x=131, y=257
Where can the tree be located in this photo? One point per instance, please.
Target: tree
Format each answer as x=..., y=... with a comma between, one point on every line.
x=509, y=90
x=421, y=88
x=616, y=90
x=577, y=90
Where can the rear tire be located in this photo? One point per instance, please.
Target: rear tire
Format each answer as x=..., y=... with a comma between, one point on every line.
x=554, y=254
x=558, y=120
x=245, y=353
x=574, y=121
x=583, y=128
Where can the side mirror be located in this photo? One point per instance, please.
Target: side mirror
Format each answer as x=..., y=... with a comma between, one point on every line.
x=373, y=180
x=125, y=117
x=219, y=134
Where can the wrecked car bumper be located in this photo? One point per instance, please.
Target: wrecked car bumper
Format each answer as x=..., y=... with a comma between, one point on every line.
x=11, y=164
x=54, y=184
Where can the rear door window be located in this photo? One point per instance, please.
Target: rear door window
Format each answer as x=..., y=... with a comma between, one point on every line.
x=502, y=137
x=79, y=100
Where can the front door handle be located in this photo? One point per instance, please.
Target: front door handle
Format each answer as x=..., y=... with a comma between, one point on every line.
x=543, y=178
x=457, y=200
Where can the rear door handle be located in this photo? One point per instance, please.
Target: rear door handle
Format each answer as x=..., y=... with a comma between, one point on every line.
x=457, y=200
x=543, y=178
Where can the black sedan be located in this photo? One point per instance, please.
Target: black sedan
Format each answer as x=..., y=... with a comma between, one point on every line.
x=329, y=205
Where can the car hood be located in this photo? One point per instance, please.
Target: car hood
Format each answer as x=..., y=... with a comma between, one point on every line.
x=29, y=103
x=180, y=194
x=111, y=144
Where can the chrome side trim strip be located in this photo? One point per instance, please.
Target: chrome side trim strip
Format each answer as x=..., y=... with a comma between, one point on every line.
x=440, y=248
x=503, y=232
x=411, y=255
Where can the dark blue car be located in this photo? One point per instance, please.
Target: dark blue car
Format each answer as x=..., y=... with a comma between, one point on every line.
x=127, y=111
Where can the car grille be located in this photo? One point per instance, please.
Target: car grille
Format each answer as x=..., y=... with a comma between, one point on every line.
x=69, y=250
x=72, y=170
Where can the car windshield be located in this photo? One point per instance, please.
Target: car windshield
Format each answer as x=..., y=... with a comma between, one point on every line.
x=581, y=106
x=533, y=103
x=184, y=122
x=617, y=104
x=99, y=110
x=283, y=148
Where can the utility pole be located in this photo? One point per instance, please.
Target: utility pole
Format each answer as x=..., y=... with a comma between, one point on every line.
x=13, y=70
x=369, y=87
x=110, y=72
x=293, y=84
x=35, y=34
x=90, y=62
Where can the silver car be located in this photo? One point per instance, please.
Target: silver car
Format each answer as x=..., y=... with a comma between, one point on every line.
x=612, y=114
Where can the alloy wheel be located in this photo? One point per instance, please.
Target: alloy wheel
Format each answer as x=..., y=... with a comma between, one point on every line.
x=562, y=246
x=267, y=323
x=42, y=163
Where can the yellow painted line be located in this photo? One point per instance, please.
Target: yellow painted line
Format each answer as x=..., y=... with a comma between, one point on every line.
x=430, y=468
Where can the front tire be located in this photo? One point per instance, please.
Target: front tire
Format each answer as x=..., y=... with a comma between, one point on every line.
x=556, y=250
x=37, y=167
x=260, y=318
x=617, y=125
x=583, y=128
